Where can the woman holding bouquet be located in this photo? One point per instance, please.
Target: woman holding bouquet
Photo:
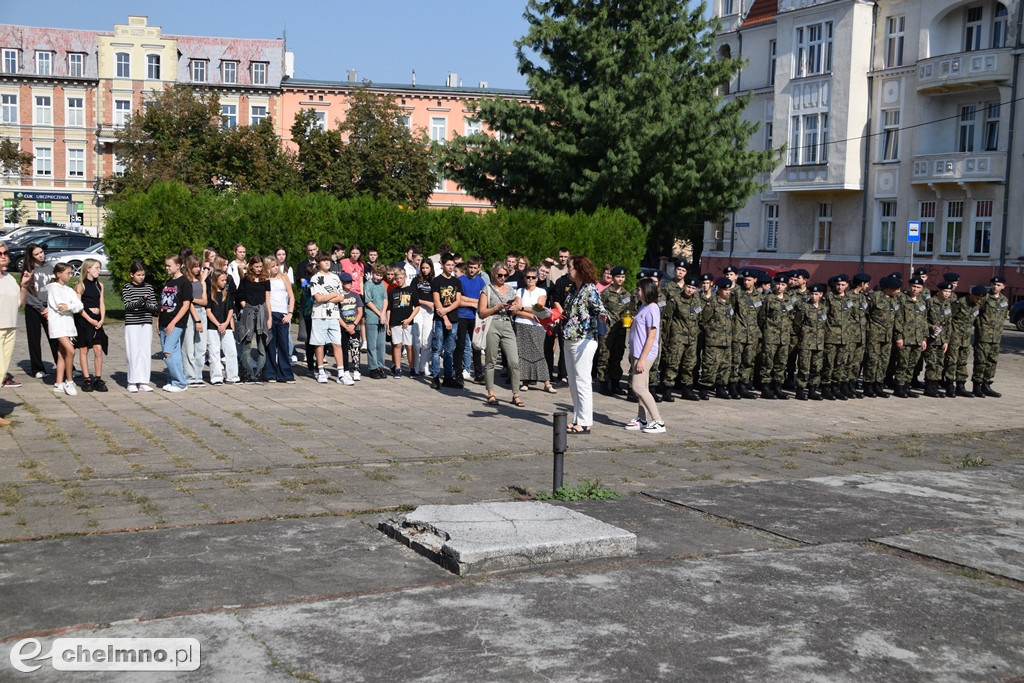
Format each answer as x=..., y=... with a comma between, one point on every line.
x=530, y=334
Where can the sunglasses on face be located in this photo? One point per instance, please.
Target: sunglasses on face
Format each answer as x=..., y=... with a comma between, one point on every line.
x=501, y=275
x=5, y=253
x=531, y=277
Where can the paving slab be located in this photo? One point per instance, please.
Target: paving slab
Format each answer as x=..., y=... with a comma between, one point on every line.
x=997, y=550
x=487, y=537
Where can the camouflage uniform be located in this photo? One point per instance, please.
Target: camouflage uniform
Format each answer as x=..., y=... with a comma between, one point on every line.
x=940, y=314
x=717, y=324
x=839, y=334
x=910, y=325
x=855, y=357
x=679, y=358
x=776, y=318
x=993, y=312
x=796, y=297
x=812, y=322
x=746, y=336
x=880, y=314
x=612, y=346
x=961, y=324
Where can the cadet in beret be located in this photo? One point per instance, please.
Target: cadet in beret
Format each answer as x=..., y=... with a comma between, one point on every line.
x=776, y=320
x=679, y=359
x=993, y=312
x=811, y=318
x=612, y=345
x=881, y=312
x=840, y=330
x=965, y=312
x=746, y=336
x=940, y=314
x=953, y=278
x=717, y=325
x=910, y=328
x=858, y=294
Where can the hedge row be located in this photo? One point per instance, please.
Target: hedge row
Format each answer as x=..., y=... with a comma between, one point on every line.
x=149, y=226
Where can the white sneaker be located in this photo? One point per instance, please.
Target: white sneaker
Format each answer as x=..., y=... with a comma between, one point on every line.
x=356, y=376
x=58, y=388
x=40, y=375
x=655, y=428
x=132, y=389
x=145, y=387
x=346, y=379
x=295, y=359
x=69, y=389
x=636, y=425
x=467, y=375
x=321, y=376
x=173, y=389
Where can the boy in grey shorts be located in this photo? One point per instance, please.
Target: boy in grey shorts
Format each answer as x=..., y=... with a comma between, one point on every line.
x=325, y=288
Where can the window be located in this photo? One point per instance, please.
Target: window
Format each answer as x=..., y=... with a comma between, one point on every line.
x=120, y=168
x=406, y=121
x=769, y=131
x=321, y=120
x=10, y=61
x=259, y=73
x=823, y=234
x=8, y=211
x=813, y=49
x=966, y=135
x=895, y=28
x=76, y=64
x=198, y=68
x=982, y=243
x=991, y=126
x=123, y=65
x=771, y=227
x=153, y=67
x=44, y=211
x=886, y=226
x=122, y=112
x=228, y=115
x=727, y=8
x=257, y=113
x=954, y=228
x=229, y=72
x=809, y=139
x=999, y=24
x=44, y=114
x=926, y=216
x=891, y=135
x=972, y=29
x=473, y=126
x=76, y=163
x=44, y=161
x=76, y=112
x=8, y=109
x=439, y=134
x=771, y=62
x=44, y=63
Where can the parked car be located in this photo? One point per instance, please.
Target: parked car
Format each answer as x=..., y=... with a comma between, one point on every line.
x=76, y=258
x=59, y=242
x=31, y=232
x=1017, y=315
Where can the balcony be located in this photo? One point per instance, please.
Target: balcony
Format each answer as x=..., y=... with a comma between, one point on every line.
x=966, y=167
x=964, y=71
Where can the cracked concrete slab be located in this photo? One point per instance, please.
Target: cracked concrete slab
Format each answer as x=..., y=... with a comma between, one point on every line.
x=997, y=550
x=488, y=537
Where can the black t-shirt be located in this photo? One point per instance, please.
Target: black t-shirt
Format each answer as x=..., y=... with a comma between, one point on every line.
x=401, y=301
x=559, y=292
x=424, y=290
x=173, y=296
x=222, y=310
x=447, y=289
x=253, y=293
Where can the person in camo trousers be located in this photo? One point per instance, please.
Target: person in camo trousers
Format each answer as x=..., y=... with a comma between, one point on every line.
x=811, y=319
x=682, y=311
x=965, y=312
x=839, y=330
x=858, y=294
x=746, y=335
x=882, y=307
x=940, y=314
x=993, y=312
x=717, y=324
x=776, y=320
x=612, y=345
x=910, y=329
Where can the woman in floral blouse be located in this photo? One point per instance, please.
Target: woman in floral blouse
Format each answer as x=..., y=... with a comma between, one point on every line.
x=583, y=314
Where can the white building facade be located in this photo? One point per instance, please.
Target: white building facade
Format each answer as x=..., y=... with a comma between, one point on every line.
x=892, y=112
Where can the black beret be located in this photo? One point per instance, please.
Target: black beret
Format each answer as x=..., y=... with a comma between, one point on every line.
x=951, y=277
x=728, y=269
x=889, y=282
x=683, y=264
x=707, y=277
x=691, y=281
x=921, y=271
x=800, y=272
x=816, y=287
x=861, y=277
x=946, y=285
x=979, y=290
x=781, y=277
x=998, y=279
x=915, y=281
x=723, y=283
x=618, y=270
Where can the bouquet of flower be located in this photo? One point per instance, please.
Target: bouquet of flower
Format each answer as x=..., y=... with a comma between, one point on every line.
x=549, y=318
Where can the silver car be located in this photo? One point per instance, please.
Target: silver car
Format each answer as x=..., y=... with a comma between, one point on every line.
x=76, y=258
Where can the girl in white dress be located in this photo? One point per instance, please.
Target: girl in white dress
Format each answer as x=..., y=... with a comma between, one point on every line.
x=63, y=303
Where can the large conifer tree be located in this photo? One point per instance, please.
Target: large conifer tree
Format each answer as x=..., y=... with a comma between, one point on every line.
x=629, y=117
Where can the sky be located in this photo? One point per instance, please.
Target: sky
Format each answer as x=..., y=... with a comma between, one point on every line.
x=383, y=40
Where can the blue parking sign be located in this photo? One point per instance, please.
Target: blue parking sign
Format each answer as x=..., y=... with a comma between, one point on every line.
x=913, y=231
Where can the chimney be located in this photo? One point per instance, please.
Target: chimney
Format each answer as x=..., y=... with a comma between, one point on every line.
x=483, y=84
x=414, y=76
x=453, y=80
x=353, y=75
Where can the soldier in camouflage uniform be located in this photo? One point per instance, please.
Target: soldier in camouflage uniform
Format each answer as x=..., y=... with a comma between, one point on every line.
x=925, y=295
x=612, y=345
x=940, y=328
x=682, y=311
x=839, y=334
x=706, y=295
x=965, y=311
x=746, y=335
x=859, y=296
x=812, y=320
x=671, y=290
x=910, y=329
x=797, y=293
x=776, y=320
x=717, y=324
x=882, y=307
x=993, y=312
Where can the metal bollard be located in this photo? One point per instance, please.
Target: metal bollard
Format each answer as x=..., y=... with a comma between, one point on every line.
x=558, y=448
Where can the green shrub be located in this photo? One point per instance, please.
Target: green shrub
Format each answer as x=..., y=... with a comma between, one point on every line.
x=149, y=226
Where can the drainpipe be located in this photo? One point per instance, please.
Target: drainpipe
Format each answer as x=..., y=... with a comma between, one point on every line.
x=1009, y=144
x=867, y=139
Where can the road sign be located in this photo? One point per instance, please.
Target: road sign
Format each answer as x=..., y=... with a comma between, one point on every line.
x=913, y=231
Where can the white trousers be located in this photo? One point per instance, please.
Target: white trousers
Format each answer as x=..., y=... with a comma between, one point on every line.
x=579, y=361
x=138, y=341
x=422, y=327
x=215, y=343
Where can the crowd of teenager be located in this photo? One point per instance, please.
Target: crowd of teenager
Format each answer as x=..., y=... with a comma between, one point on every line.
x=740, y=336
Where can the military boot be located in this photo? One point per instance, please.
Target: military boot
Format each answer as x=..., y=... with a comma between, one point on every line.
x=605, y=388
x=779, y=393
x=900, y=391
x=666, y=395
x=837, y=391
x=961, y=390
x=979, y=391
x=702, y=393
x=744, y=391
x=880, y=390
x=722, y=392
x=813, y=394
x=826, y=393
x=734, y=393
x=768, y=390
x=854, y=393
x=989, y=391
x=931, y=389
x=688, y=393
x=950, y=389
x=908, y=388
x=801, y=394
x=630, y=396
x=869, y=389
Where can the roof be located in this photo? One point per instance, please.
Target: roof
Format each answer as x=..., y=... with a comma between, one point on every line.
x=762, y=12
x=297, y=83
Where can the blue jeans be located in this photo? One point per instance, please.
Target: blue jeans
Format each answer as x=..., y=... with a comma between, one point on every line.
x=171, y=345
x=376, y=345
x=443, y=341
x=279, y=358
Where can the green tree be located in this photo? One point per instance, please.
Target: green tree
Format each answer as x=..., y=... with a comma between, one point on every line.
x=13, y=160
x=180, y=136
x=370, y=153
x=629, y=117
